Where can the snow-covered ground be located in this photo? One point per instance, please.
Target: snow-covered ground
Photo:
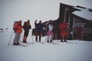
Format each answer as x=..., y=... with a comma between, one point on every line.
x=73, y=50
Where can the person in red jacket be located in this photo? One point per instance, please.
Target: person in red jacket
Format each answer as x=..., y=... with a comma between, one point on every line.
x=18, y=31
x=64, y=31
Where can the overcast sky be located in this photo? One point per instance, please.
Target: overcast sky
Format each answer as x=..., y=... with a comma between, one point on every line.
x=14, y=10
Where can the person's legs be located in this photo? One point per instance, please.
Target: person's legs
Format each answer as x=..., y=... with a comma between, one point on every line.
x=27, y=35
x=15, y=39
x=18, y=38
x=48, y=35
x=61, y=37
x=47, y=38
x=65, y=38
x=40, y=36
x=24, y=39
x=51, y=32
x=36, y=36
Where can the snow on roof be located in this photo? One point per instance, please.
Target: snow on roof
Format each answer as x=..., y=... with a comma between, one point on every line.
x=84, y=13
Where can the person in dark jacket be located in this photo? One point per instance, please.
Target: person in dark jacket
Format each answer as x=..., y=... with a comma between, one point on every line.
x=26, y=28
x=38, y=30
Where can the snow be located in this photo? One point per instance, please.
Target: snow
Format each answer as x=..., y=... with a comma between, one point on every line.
x=84, y=14
x=74, y=50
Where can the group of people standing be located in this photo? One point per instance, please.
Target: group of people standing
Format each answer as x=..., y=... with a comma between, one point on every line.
x=18, y=30
x=39, y=27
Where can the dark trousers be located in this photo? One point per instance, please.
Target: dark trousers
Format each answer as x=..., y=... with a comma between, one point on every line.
x=38, y=34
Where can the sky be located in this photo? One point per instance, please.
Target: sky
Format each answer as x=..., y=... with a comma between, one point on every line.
x=14, y=10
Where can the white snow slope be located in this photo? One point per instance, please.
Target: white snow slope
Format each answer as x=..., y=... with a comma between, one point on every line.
x=74, y=50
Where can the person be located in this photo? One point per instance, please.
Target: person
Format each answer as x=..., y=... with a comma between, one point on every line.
x=50, y=31
x=14, y=26
x=18, y=31
x=38, y=30
x=64, y=31
x=44, y=30
x=26, y=28
x=54, y=31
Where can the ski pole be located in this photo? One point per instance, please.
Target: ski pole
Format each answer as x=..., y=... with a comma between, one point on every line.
x=32, y=39
x=10, y=39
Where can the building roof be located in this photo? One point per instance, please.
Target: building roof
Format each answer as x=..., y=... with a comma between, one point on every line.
x=83, y=13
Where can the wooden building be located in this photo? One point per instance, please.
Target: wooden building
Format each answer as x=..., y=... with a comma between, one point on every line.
x=82, y=24
x=79, y=20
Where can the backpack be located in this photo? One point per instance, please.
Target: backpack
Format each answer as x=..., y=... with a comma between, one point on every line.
x=14, y=26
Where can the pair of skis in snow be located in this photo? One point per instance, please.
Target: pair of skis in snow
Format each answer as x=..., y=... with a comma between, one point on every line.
x=20, y=43
x=48, y=43
x=23, y=44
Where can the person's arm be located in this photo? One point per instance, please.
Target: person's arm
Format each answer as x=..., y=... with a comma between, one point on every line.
x=47, y=25
x=35, y=22
x=29, y=27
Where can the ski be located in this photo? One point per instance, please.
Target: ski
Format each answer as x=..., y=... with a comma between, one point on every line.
x=23, y=45
x=40, y=42
x=28, y=43
x=69, y=42
x=53, y=43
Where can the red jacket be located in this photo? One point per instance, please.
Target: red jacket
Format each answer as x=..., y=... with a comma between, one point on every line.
x=64, y=29
x=63, y=25
x=18, y=28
